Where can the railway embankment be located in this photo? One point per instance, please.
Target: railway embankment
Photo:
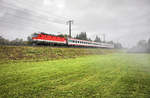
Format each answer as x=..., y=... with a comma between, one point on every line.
x=39, y=53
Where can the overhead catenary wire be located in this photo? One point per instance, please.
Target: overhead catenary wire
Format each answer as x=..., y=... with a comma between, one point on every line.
x=38, y=11
x=37, y=8
x=34, y=15
x=25, y=20
x=30, y=19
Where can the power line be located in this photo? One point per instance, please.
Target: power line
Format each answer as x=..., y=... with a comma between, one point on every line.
x=38, y=11
x=27, y=19
x=38, y=8
x=36, y=16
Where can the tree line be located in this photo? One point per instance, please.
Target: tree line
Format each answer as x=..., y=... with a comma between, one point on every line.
x=15, y=42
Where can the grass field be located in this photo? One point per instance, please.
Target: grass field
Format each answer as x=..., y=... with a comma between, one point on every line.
x=101, y=76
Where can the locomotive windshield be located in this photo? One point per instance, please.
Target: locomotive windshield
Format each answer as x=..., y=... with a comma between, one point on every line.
x=34, y=35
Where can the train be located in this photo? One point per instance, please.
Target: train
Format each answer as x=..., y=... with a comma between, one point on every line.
x=49, y=39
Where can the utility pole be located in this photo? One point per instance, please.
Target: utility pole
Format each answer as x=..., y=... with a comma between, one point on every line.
x=70, y=22
x=104, y=37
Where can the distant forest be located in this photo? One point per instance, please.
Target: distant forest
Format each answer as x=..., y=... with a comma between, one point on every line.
x=142, y=46
x=82, y=36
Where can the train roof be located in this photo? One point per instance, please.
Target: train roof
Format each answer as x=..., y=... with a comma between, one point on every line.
x=85, y=40
x=51, y=34
x=79, y=39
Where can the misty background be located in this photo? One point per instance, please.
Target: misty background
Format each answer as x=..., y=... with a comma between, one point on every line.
x=124, y=21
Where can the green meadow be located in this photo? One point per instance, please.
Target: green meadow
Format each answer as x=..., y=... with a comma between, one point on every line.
x=115, y=75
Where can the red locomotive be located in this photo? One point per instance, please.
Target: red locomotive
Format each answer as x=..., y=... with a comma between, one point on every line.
x=49, y=38
x=53, y=39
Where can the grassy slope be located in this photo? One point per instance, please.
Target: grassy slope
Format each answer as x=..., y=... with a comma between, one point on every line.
x=26, y=53
x=107, y=76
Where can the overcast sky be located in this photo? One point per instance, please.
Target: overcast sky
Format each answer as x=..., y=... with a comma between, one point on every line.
x=125, y=21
